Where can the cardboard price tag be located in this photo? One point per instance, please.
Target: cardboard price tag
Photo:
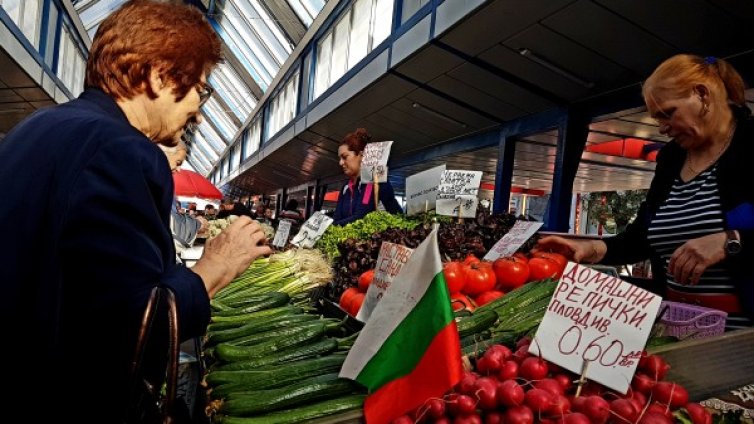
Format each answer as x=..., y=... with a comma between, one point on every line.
x=599, y=319
x=390, y=260
x=513, y=240
x=374, y=162
x=282, y=233
x=457, y=193
x=421, y=190
x=312, y=230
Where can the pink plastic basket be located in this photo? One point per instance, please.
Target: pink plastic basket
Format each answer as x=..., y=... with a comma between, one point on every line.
x=683, y=320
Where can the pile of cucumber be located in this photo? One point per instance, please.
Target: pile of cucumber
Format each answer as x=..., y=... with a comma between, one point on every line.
x=272, y=362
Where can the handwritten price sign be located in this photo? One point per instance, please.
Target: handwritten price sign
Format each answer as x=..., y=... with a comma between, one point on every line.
x=312, y=230
x=598, y=318
x=512, y=240
x=457, y=193
x=390, y=260
x=374, y=161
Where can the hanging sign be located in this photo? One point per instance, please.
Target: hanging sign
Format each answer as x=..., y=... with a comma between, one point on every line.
x=374, y=162
x=312, y=230
x=457, y=193
x=600, y=319
x=513, y=240
x=282, y=233
x=421, y=190
x=390, y=260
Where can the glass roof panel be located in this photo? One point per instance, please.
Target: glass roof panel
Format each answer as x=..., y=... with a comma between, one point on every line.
x=233, y=91
x=212, y=138
x=306, y=10
x=220, y=118
x=201, y=143
x=199, y=153
x=92, y=13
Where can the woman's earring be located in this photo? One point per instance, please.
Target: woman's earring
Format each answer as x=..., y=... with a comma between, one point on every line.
x=705, y=108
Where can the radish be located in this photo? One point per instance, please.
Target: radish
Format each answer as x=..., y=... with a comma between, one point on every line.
x=670, y=394
x=504, y=350
x=642, y=383
x=655, y=367
x=660, y=409
x=507, y=371
x=551, y=385
x=597, y=409
x=489, y=364
x=494, y=417
x=521, y=354
x=533, y=368
x=698, y=414
x=519, y=415
x=539, y=400
x=461, y=405
x=403, y=419
x=509, y=393
x=559, y=406
x=576, y=418
x=466, y=385
x=468, y=419
x=523, y=341
x=624, y=411
x=442, y=420
x=432, y=408
x=485, y=390
x=655, y=418
x=564, y=380
x=577, y=403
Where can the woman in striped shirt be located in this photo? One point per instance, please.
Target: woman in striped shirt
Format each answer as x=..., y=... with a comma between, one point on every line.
x=697, y=223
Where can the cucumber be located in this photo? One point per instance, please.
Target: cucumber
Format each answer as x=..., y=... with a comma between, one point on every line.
x=280, y=375
x=256, y=327
x=476, y=323
x=262, y=401
x=257, y=303
x=318, y=348
x=279, y=333
x=229, y=353
x=267, y=313
x=299, y=415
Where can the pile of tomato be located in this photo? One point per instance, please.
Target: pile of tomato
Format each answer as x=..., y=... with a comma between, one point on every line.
x=518, y=388
x=352, y=299
x=473, y=282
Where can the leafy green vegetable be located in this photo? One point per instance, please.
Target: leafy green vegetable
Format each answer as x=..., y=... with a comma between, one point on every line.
x=362, y=229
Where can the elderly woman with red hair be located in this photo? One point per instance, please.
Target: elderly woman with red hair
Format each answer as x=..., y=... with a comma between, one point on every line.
x=89, y=194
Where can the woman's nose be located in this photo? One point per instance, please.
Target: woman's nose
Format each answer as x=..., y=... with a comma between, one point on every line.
x=664, y=128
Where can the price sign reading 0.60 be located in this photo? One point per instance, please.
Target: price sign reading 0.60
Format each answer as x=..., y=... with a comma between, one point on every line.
x=602, y=349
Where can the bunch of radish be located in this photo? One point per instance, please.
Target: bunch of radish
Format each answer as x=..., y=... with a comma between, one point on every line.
x=518, y=388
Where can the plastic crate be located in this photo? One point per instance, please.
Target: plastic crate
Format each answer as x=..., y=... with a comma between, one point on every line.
x=684, y=320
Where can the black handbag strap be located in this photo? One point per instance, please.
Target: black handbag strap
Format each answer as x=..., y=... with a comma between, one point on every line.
x=153, y=306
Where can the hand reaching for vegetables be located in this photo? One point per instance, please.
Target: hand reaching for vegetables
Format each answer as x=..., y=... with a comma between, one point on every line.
x=230, y=253
x=688, y=262
x=589, y=251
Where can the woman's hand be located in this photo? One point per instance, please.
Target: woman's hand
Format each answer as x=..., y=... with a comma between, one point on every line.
x=589, y=251
x=688, y=262
x=230, y=253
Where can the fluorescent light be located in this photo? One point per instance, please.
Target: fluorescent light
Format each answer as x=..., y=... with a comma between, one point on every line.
x=527, y=53
x=439, y=115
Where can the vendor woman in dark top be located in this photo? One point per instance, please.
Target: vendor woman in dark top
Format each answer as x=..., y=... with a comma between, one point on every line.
x=357, y=197
x=697, y=223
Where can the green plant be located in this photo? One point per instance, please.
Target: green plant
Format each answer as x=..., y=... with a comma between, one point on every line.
x=613, y=209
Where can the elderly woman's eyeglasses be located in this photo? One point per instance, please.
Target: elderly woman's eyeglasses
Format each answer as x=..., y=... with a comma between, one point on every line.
x=205, y=92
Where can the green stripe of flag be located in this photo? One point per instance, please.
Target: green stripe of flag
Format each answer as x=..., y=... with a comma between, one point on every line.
x=405, y=347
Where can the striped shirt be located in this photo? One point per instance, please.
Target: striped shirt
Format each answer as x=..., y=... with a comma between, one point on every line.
x=693, y=210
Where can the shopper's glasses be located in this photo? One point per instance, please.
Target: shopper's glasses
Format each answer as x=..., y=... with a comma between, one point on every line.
x=205, y=92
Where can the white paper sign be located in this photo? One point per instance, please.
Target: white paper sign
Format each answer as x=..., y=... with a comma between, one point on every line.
x=457, y=193
x=374, y=161
x=512, y=240
x=421, y=190
x=281, y=235
x=597, y=318
x=312, y=230
x=389, y=261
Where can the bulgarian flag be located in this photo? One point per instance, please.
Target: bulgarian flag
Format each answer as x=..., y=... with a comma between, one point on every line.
x=409, y=350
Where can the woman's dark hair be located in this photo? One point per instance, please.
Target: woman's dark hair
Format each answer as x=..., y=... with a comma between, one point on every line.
x=291, y=205
x=357, y=140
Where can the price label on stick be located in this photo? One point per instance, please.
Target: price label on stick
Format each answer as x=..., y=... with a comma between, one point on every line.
x=513, y=240
x=312, y=230
x=421, y=190
x=374, y=162
x=390, y=260
x=457, y=193
x=281, y=235
x=600, y=319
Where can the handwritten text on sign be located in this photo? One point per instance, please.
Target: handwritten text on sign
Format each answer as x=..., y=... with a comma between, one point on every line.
x=312, y=230
x=457, y=193
x=390, y=260
x=597, y=318
x=374, y=161
x=512, y=240
x=281, y=235
x=421, y=190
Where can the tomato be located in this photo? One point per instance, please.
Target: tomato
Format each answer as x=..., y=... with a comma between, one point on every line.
x=471, y=259
x=356, y=302
x=488, y=297
x=522, y=256
x=511, y=273
x=455, y=276
x=365, y=280
x=479, y=279
x=541, y=268
x=460, y=301
x=561, y=260
x=347, y=298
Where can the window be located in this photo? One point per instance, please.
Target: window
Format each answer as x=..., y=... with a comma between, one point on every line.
x=283, y=106
x=307, y=10
x=362, y=27
x=253, y=139
x=213, y=110
x=233, y=91
x=70, y=63
x=25, y=14
x=236, y=157
x=410, y=7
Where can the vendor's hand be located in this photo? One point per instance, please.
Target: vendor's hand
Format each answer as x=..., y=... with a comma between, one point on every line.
x=589, y=251
x=688, y=262
x=230, y=253
x=204, y=226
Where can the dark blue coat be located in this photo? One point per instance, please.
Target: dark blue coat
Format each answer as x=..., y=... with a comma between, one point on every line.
x=355, y=205
x=85, y=222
